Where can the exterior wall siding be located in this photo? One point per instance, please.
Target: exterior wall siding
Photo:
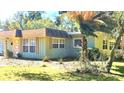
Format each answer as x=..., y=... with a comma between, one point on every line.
x=10, y=45
x=55, y=52
x=75, y=52
x=91, y=42
x=72, y=51
x=99, y=41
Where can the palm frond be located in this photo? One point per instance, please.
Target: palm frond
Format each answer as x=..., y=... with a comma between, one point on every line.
x=100, y=22
x=87, y=29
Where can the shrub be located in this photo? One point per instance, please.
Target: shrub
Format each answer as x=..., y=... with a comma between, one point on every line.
x=93, y=54
x=46, y=59
x=9, y=53
x=118, y=56
x=44, y=65
x=19, y=55
x=104, y=56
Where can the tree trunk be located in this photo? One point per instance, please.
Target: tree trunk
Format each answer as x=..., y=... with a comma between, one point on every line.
x=111, y=58
x=84, y=53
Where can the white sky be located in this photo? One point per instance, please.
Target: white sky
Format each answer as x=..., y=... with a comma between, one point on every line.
x=8, y=7
x=6, y=14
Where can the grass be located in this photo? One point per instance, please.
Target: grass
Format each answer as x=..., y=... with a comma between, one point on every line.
x=48, y=73
x=118, y=70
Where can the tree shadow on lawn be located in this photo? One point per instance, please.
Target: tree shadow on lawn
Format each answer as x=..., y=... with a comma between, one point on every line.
x=67, y=76
x=35, y=76
x=119, y=69
x=74, y=76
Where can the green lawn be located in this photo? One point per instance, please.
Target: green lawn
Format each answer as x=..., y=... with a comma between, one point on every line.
x=49, y=73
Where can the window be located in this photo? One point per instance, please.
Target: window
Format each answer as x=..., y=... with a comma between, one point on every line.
x=77, y=43
x=58, y=43
x=55, y=43
x=25, y=45
x=104, y=44
x=62, y=41
x=111, y=45
x=32, y=45
x=29, y=45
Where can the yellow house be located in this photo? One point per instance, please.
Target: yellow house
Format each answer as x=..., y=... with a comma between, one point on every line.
x=105, y=42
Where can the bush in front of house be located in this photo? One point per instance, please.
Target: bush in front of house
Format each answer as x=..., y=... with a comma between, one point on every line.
x=44, y=65
x=19, y=55
x=9, y=53
x=104, y=56
x=94, y=54
x=119, y=55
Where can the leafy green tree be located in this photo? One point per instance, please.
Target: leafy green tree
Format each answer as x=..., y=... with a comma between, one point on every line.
x=28, y=20
x=118, y=17
x=62, y=22
x=35, y=15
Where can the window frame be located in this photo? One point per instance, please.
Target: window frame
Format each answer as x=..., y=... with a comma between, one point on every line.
x=55, y=43
x=25, y=45
x=111, y=45
x=29, y=45
x=105, y=44
x=62, y=43
x=74, y=43
x=32, y=45
x=58, y=42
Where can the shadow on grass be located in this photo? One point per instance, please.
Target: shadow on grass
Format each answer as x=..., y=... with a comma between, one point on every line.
x=74, y=76
x=69, y=76
x=119, y=69
x=34, y=76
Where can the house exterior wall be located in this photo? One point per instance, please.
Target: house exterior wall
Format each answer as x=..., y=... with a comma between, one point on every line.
x=55, y=52
x=17, y=46
x=9, y=45
x=99, y=41
x=91, y=42
x=69, y=50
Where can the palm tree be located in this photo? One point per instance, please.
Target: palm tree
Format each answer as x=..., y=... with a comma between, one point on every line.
x=89, y=22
